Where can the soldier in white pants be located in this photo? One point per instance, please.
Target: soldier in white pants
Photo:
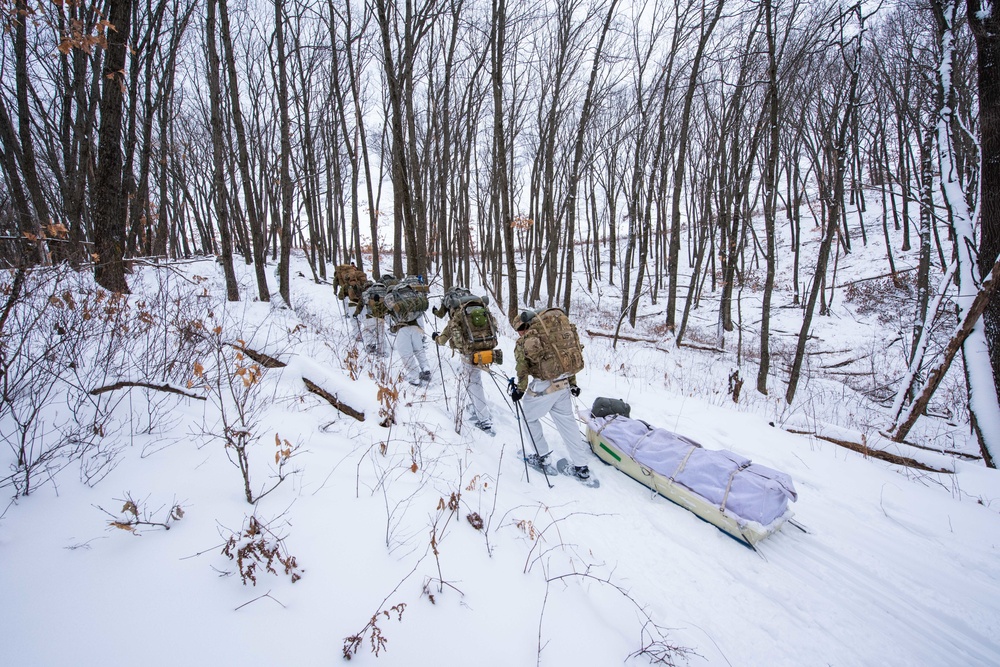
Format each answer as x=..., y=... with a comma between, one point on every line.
x=553, y=398
x=471, y=377
x=542, y=397
x=410, y=348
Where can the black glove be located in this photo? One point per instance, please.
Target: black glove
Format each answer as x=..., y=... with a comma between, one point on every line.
x=434, y=336
x=512, y=389
x=573, y=389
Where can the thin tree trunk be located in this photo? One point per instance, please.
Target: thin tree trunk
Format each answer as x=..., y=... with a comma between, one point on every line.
x=833, y=216
x=673, y=260
x=109, y=210
x=770, y=196
x=286, y=150
x=218, y=162
x=258, y=240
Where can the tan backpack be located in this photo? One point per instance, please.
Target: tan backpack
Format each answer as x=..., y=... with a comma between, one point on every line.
x=349, y=281
x=552, y=346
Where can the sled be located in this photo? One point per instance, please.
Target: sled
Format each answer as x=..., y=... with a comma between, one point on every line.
x=745, y=500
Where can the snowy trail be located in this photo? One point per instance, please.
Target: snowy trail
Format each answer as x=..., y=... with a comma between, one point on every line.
x=856, y=603
x=916, y=632
x=900, y=568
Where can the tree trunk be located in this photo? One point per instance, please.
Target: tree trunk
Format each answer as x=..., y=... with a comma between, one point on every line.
x=839, y=156
x=286, y=150
x=218, y=161
x=498, y=46
x=29, y=169
x=255, y=217
x=673, y=260
x=986, y=28
x=770, y=196
x=108, y=207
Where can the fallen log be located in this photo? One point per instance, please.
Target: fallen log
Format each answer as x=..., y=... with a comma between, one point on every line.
x=946, y=452
x=880, y=454
x=146, y=385
x=265, y=360
x=631, y=339
x=705, y=348
x=333, y=400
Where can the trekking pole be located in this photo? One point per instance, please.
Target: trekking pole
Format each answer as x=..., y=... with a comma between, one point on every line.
x=493, y=376
x=523, y=457
x=444, y=385
x=534, y=445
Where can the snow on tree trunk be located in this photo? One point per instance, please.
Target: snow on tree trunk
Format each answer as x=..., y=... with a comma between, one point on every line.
x=979, y=373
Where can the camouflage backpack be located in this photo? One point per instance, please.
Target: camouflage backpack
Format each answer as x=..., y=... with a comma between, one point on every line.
x=552, y=346
x=349, y=281
x=452, y=299
x=477, y=326
x=407, y=300
x=374, y=300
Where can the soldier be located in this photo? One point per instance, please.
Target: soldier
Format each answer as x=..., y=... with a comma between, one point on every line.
x=406, y=303
x=348, y=283
x=373, y=304
x=471, y=331
x=548, y=349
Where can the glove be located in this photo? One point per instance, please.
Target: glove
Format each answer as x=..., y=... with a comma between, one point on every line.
x=512, y=389
x=434, y=336
x=574, y=390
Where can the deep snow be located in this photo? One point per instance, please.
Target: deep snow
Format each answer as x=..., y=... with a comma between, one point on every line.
x=899, y=567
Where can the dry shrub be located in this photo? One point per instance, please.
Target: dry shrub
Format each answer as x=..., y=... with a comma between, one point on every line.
x=884, y=298
x=257, y=548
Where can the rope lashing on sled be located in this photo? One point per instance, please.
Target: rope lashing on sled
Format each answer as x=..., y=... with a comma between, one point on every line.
x=729, y=485
x=637, y=443
x=606, y=424
x=680, y=468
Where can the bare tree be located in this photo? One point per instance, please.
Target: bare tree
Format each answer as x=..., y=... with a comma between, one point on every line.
x=218, y=161
x=838, y=115
x=108, y=206
x=985, y=24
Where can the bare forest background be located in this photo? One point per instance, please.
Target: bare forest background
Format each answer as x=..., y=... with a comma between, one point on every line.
x=656, y=146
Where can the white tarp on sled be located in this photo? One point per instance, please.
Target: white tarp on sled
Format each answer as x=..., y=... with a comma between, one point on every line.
x=747, y=500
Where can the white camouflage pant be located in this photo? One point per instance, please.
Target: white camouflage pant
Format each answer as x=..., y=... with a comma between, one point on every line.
x=409, y=346
x=373, y=334
x=559, y=404
x=471, y=376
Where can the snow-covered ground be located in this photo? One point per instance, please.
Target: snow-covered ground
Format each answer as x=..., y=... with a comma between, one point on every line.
x=898, y=567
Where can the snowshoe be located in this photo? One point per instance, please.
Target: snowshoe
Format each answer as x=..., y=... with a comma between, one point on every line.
x=486, y=427
x=579, y=473
x=541, y=464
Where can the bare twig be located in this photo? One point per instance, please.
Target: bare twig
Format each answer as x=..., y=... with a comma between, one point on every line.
x=655, y=646
x=265, y=595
